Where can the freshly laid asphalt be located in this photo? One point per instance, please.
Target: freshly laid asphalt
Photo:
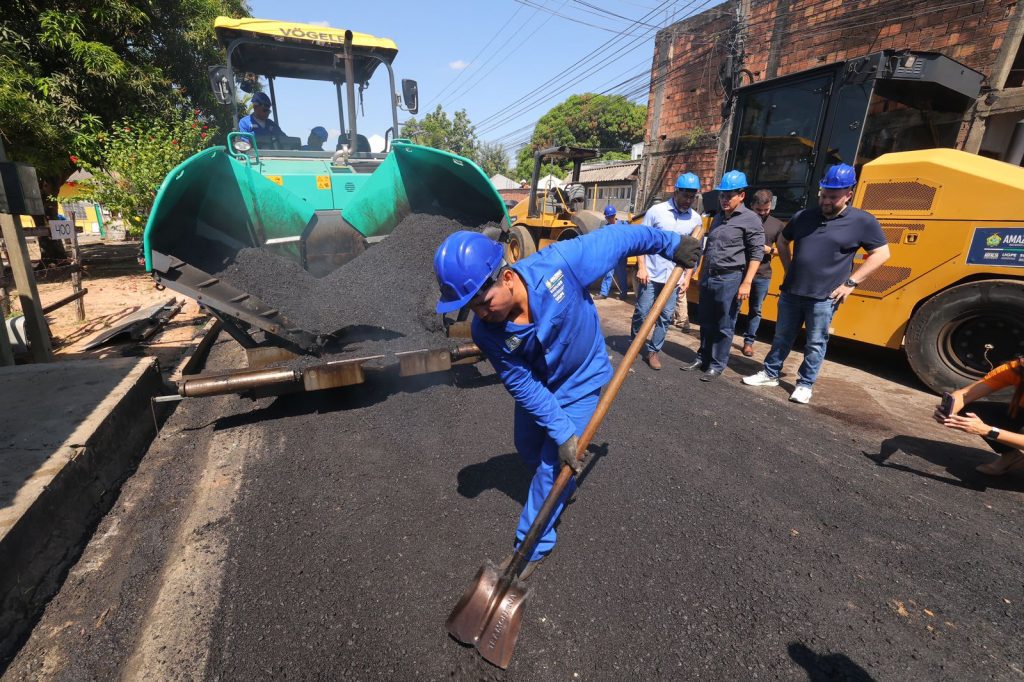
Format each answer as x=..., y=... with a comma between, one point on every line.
x=718, y=533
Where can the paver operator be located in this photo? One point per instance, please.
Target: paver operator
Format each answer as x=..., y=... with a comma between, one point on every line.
x=538, y=326
x=259, y=122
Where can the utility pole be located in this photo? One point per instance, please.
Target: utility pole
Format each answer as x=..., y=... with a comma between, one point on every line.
x=730, y=73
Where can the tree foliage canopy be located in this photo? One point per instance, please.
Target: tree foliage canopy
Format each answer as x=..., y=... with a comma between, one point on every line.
x=136, y=156
x=72, y=69
x=610, y=123
x=493, y=159
x=456, y=135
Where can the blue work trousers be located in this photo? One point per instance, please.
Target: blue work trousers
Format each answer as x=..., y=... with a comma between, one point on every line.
x=645, y=298
x=795, y=311
x=619, y=273
x=540, y=452
x=758, y=290
x=717, y=312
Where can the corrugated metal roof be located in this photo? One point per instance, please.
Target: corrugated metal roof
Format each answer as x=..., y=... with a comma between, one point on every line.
x=609, y=172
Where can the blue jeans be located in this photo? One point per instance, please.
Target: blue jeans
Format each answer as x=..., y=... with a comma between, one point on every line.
x=540, y=452
x=619, y=272
x=758, y=290
x=717, y=312
x=795, y=311
x=644, y=302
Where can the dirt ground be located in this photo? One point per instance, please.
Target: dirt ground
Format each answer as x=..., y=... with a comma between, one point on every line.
x=118, y=287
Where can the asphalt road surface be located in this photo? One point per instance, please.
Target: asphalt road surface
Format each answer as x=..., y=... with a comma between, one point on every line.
x=720, y=532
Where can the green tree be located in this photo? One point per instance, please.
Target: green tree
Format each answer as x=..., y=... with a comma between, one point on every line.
x=607, y=122
x=455, y=135
x=134, y=158
x=493, y=159
x=69, y=70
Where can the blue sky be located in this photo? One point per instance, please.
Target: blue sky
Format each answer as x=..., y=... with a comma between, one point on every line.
x=506, y=62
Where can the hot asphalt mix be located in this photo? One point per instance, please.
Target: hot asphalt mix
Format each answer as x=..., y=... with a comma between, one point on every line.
x=717, y=534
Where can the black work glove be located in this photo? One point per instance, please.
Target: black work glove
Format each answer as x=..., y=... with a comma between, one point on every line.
x=567, y=454
x=687, y=252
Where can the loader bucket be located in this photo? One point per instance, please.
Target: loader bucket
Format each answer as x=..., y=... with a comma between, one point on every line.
x=304, y=208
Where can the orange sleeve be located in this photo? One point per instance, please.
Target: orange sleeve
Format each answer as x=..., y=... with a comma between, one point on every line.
x=1003, y=376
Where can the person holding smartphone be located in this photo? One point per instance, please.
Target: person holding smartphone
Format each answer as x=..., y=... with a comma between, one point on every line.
x=1002, y=430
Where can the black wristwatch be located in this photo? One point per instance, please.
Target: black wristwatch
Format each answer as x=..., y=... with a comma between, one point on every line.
x=850, y=282
x=993, y=434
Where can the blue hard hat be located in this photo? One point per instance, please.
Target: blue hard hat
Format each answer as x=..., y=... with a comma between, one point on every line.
x=609, y=211
x=320, y=132
x=463, y=263
x=688, y=181
x=261, y=98
x=839, y=176
x=732, y=181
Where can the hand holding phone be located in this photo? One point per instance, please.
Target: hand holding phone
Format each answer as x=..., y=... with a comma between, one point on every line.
x=947, y=404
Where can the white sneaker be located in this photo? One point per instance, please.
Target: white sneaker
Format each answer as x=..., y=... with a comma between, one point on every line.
x=801, y=395
x=760, y=379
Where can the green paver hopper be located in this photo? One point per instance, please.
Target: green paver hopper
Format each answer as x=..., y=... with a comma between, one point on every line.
x=318, y=208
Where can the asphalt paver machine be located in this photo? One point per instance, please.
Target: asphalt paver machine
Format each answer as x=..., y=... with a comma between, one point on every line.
x=317, y=208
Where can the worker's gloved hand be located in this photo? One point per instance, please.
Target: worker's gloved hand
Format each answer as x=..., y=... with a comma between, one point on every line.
x=687, y=252
x=567, y=454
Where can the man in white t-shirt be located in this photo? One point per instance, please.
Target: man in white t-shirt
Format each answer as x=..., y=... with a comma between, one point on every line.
x=674, y=215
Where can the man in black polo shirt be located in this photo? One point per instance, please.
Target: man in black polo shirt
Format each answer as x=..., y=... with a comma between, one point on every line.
x=825, y=240
x=734, y=252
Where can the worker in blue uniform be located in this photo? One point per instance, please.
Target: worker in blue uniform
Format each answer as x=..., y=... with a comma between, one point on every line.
x=618, y=273
x=259, y=122
x=538, y=326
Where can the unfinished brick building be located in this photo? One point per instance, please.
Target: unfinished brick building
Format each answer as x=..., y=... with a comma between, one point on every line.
x=700, y=62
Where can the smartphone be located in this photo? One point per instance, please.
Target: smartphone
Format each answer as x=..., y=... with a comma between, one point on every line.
x=947, y=404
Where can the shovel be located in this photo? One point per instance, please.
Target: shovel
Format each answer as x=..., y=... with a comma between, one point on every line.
x=490, y=612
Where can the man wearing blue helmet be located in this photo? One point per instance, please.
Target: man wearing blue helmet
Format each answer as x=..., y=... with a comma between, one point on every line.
x=536, y=323
x=619, y=271
x=735, y=249
x=674, y=215
x=259, y=122
x=315, y=141
x=820, y=275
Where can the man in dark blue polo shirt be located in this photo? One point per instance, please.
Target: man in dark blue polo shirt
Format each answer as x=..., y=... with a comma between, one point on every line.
x=825, y=240
x=735, y=249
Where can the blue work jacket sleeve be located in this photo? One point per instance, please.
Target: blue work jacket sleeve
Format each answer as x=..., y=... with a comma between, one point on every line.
x=591, y=256
x=528, y=392
x=245, y=125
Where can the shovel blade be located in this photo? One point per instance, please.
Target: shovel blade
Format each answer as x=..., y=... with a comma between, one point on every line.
x=498, y=641
x=467, y=620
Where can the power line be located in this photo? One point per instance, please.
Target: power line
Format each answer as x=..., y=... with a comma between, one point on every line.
x=491, y=123
x=479, y=76
x=529, y=3
x=475, y=57
x=501, y=112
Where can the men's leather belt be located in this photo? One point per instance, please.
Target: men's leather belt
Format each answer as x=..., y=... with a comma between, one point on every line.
x=725, y=271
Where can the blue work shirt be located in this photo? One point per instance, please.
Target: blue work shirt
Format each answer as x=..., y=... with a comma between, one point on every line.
x=559, y=356
x=248, y=124
x=823, y=248
x=665, y=216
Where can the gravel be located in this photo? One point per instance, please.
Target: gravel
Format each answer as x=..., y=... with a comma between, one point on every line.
x=381, y=301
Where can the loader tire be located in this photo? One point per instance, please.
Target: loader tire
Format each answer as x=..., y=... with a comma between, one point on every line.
x=520, y=245
x=946, y=338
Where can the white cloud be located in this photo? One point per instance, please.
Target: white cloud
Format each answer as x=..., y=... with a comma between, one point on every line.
x=458, y=64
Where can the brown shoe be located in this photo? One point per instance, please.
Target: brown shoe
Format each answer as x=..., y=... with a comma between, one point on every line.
x=1002, y=465
x=748, y=349
x=652, y=360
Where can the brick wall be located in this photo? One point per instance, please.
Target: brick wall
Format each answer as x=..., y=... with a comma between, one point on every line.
x=784, y=37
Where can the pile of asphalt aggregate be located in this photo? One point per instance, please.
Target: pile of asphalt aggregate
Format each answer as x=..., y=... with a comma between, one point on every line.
x=382, y=301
